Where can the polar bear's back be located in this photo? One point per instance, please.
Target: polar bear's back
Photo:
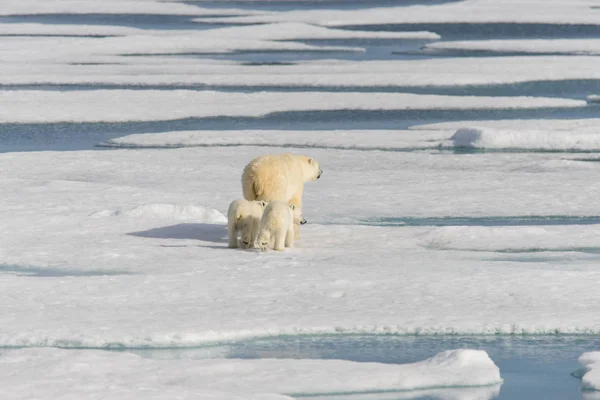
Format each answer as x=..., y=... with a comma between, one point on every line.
x=277, y=215
x=272, y=177
x=244, y=209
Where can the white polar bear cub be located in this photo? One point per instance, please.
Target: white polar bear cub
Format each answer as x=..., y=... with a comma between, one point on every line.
x=244, y=216
x=277, y=226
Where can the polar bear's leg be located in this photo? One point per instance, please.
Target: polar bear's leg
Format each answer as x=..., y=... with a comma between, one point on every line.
x=279, y=244
x=289, y=236
x=255, y=229
x=248, y=187
x=297, y=201
x=232, y=231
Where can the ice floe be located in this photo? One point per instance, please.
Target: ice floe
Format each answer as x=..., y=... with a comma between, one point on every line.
x=489, y=138
x=19, y=66
x=168, y=211
x=89, y=373
x=297, y=30
x=156, y=105
x=335, y=139
x=469, y=11
x=33, y=7
x=590, y=372
x=166, y=294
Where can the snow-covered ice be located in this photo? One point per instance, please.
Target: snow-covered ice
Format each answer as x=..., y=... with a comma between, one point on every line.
x=296, y=30
x=326, y=285
x=468, y=11
x=32, y=7
x=584, y=138
x=20, y=68
x=62, y=374
x=590, y=373
x=577, y=126
x=156, y=105
x=169, y=212
x=334, y=139
x=593, y=98
x=489, y=138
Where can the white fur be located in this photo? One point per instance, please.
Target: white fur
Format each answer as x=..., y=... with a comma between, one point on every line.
x=244, y=216
x=279, y=177
x=277, y=226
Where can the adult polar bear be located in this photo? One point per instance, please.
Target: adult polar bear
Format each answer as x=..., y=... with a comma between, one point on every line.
x=279, y=177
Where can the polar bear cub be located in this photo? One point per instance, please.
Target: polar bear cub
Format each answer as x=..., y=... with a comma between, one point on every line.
x=277, y=226
x=244, y=216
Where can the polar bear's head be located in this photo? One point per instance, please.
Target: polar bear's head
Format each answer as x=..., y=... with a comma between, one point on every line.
x=310, y=168
x=298, y=216
x=263, y=240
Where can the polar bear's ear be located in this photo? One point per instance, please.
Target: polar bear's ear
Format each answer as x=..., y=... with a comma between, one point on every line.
x=293, y=206
x=311, y=161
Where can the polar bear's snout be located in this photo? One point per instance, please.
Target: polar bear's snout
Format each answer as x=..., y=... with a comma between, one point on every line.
x=303, y=221
x=320, y=172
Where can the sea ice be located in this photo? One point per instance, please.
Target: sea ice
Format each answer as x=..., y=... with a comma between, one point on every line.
x=181, y=286
x=590, y=362
x=30, y=373
x=334, y=139
x=156, y=105
x=489, y=138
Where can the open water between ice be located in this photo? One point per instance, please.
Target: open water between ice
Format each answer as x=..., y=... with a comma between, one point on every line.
x=533, y=367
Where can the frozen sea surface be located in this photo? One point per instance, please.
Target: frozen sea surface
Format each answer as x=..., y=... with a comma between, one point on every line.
x=124, y=129
x=532, y=367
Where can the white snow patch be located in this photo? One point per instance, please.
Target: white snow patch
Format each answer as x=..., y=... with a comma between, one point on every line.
x=168, y=211
x=47, y=61
x=88, y=373
x=296, y=30
x=590, y=362
x=513, y=238
x=588, y=125
x=593, y=98
x=337, y=139
x=471, y=11
x=29, y=7
x=489, y=138
x=155, y=105
x=121, y=49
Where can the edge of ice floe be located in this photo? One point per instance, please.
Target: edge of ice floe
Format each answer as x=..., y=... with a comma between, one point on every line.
x=589, y=373
x=515, y=139
x=210, y=338
x=450, y=369
x=367, y=140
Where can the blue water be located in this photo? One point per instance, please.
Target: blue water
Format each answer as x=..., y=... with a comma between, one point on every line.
x=49, y=272
x=81, y=136
x=533, y=220
x=533, y=367
x=489, y=30
x=141, y=21
x=577, y=89
x=279, y=5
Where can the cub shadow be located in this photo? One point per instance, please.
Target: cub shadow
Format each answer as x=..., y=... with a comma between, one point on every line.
x=216, y=233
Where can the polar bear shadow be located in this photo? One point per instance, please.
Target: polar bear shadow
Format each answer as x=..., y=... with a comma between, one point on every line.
x=215, y=233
